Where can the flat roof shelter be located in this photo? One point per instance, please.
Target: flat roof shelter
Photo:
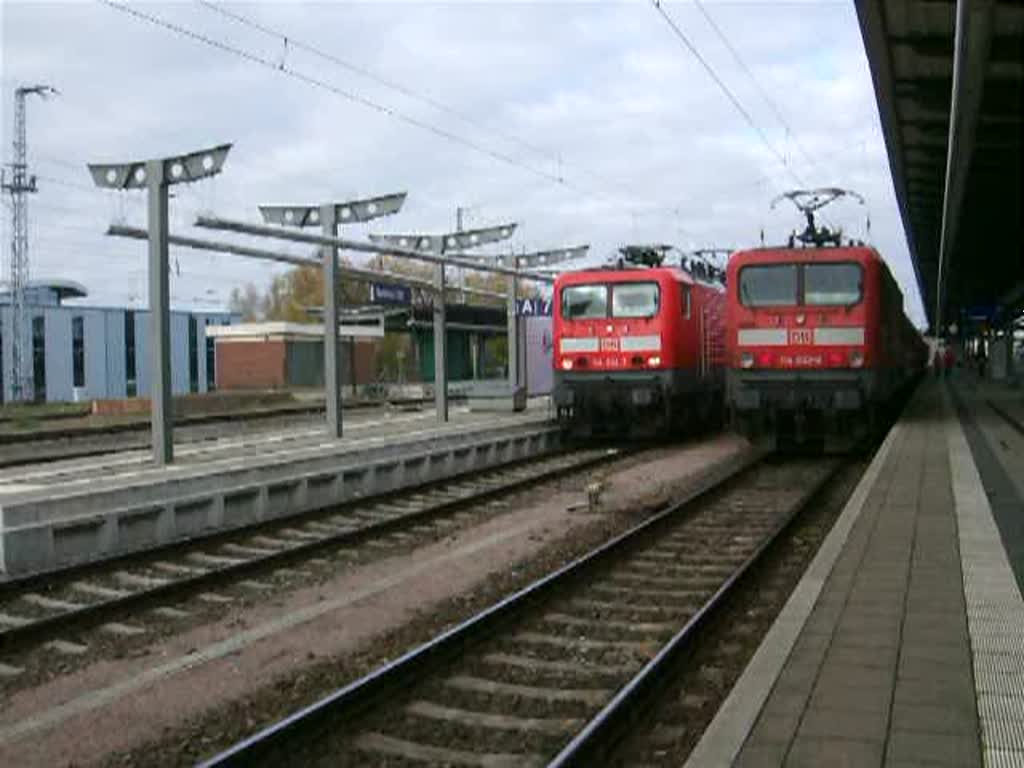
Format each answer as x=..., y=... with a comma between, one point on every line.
x=948, y=79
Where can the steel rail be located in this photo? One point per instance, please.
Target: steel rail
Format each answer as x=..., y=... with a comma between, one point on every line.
x=1007, y=417
x=216, y=536
x=70, y=433
x=608, y=725
x=360, y=693
x=91, y=614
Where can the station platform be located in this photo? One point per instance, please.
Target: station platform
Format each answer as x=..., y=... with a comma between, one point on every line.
x=66, y=512
x=903, y=644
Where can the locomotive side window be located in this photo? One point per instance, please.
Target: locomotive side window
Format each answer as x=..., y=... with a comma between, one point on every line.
x=773, y=285
x=685, y=301
x=580, y=302
x=635, y=299
x=833, y=284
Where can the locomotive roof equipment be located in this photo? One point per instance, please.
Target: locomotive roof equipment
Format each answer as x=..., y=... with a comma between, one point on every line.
x=808, y=202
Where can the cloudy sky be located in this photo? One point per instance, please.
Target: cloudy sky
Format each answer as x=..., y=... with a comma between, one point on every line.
x=585, y=122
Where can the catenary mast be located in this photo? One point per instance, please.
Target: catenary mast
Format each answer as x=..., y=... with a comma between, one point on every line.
x=19, y=185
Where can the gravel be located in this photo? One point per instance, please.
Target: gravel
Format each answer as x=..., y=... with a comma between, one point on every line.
x=216, y=729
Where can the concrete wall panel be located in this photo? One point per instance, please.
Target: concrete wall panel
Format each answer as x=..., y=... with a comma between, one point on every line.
x=179, y=353
x=58, y=355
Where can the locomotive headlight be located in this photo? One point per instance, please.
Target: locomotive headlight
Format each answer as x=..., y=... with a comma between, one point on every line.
x=746, y=359
x=654, y=361
x=856, y=358
x=566, y=364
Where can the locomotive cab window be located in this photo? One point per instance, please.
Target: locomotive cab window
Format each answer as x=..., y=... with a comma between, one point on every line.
x=635, y=299
x=833, y=284
x=772, y=285
x=580, y=302
x=685, y=301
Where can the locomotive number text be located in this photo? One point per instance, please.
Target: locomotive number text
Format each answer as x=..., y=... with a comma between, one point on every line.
x=610, y=345
x=800, y=361
x=800, y=336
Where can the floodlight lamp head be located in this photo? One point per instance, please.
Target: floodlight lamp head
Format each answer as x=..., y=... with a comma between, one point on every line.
x=350, y=212
x=552, y=257
x=460, y=241
x=44, y=91
x=412, y=242
x=176, y=170
x=453, y=241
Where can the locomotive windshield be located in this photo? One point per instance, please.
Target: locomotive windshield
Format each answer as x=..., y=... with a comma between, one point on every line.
x=635, y=299
x=580, y=302
x=789, y=285
x=583, y=302
x=832, y=284
x=773, y=285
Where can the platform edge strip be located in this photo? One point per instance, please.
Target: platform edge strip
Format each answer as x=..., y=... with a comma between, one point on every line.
x=724, y=737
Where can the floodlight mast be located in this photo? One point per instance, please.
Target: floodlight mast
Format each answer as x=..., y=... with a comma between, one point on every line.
x=439, y=245
x=329, y=216
x=533, y=260
x=155, y=176
x=516, y=264
x=20, y=185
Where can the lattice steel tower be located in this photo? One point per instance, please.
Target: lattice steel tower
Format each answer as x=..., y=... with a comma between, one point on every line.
x=19, y=186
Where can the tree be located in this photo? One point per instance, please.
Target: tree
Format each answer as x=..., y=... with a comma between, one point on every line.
x=298, y=295
x=246, y=302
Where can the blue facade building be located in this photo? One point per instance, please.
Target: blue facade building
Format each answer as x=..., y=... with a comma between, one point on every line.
x=80, y=352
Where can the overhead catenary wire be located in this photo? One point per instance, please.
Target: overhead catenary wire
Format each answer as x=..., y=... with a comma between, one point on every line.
x=383, y=109
x=776, y=110
x=290, y=41
x=677, y=30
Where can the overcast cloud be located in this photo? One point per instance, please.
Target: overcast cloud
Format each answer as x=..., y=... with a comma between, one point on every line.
x=600, y=94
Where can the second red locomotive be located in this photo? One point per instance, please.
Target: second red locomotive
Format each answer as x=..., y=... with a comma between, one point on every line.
x=639, y=348
x=819, y=346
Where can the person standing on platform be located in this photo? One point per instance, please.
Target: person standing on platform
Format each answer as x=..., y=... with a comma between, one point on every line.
x=948, y=360
x=937, y=362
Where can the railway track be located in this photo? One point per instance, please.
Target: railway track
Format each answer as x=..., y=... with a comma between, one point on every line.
x=537, y=676
x=18, y=449
x=120, y=597
x=1014, y=424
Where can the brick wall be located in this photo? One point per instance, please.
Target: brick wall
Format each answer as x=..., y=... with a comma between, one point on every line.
x=250, y=364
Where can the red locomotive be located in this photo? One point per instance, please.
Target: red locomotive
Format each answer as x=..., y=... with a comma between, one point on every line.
x=819, y=347
x=640, y=347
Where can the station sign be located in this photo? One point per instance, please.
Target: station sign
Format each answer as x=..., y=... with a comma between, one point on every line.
x=982, y=312
x=533, y=307
x=390, y=293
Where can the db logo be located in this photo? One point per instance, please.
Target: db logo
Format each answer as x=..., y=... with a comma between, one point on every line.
x=800, y=336
x=609, y=345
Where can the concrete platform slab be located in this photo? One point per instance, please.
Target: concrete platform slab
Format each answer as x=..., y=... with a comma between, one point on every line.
x=65, y=513
x=897, y=645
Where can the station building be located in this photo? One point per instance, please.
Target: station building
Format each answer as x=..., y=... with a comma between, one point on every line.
x=378, y=344
x=79, y=352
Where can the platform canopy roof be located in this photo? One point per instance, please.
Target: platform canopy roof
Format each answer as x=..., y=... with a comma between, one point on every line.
x=948, y=79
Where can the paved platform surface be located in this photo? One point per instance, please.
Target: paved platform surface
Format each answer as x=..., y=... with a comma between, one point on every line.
x=904, y=643
x=362, y=431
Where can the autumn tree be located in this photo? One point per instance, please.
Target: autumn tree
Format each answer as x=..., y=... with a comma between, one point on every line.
x=298, y=295
x=247, y=302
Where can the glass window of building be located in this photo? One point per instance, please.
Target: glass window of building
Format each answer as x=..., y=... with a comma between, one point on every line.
x=78, y=351
x=39, y=358
x=131, y=387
